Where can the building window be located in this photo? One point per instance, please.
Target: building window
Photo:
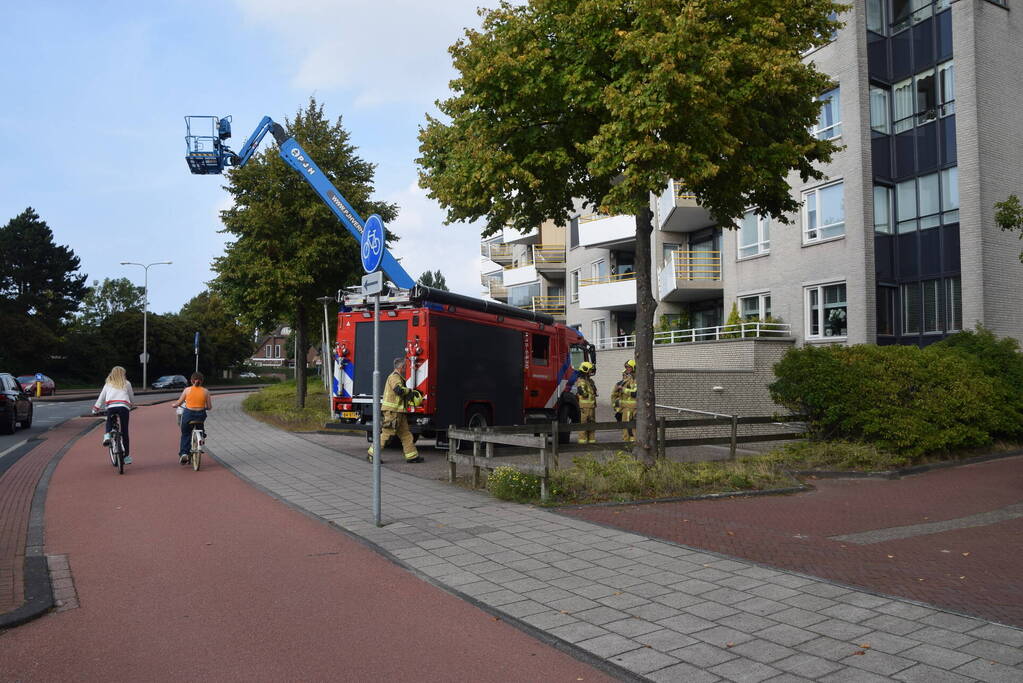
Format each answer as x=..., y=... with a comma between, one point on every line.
x=879, y=117
x=931, y=306
x=269, y=352
x=829, y=121
x=573, y=285
x=573, y=233
x=668, y=253
x=598, y=271
x=875, y=16
x=277, y=350
x=826, y=311
x=947, y=88
x=756, y=307
x=886, y=297
x=953, y=304
x=522, y=295
x=599, y=328
x=902, y=98
x=883, y=209
x=823, y=213
x=923, y=97
x=754, y=235
x=928, y=201
x=905, y=13
x=911, y=308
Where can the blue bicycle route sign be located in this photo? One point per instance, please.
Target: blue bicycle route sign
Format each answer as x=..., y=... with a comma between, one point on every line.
x=372, y=243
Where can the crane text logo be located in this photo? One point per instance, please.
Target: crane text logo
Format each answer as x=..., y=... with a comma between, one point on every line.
x=301, y=159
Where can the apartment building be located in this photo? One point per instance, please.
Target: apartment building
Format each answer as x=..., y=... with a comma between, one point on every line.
x=896, y=245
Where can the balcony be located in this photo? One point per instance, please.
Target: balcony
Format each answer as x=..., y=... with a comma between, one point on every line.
x=554, y=305
x=610, y=293
x=520, y=273
x=510, y=236
x=548, y=257
x=678, y=210
x=596, y=230
x=493, y=286
x=498, y=252
x=690, y=276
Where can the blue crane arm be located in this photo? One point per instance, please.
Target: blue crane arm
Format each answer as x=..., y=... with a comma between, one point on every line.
x=298, y=159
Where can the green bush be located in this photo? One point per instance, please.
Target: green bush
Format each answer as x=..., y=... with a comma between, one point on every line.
x=904, y=399
x=507, y=483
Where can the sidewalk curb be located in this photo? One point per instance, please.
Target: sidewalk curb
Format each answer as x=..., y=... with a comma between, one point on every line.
x=684, y=499
x=905, y=471
x=38, y=589
x=603, y=665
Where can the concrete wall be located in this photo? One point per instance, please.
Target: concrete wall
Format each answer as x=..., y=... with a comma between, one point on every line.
x=687, y=374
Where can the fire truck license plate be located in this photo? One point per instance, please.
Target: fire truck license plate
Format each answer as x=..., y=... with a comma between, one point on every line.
x=350, y=413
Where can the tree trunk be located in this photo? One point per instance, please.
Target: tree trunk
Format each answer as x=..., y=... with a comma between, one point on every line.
x=300, y=355
x=646, y=413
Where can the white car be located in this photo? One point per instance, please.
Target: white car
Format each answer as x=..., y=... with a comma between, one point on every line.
x=247, y=375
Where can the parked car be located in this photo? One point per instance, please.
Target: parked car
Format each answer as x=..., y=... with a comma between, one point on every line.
x=171, y=382
x=247, y=375
x=28, y=382
x=15, y=405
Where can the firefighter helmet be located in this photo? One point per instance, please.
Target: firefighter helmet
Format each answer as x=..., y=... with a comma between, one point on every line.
x=416, y=399
x=586, y=367
x=630, y=364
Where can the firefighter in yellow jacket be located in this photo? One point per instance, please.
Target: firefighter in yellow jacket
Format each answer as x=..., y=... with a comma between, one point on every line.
x=395, y=402
x=586, y=392
x=628, y=398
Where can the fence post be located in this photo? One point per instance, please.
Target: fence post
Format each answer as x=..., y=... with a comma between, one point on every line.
x=452, y=450
x=475, y=457
x=555, y=437
x=545, y=491
x=735, y=429
x=661, y=438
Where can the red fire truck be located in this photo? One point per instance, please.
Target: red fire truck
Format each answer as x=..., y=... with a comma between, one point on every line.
x=476, y=362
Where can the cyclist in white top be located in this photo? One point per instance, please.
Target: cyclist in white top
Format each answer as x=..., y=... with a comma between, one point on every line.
x=117, y=398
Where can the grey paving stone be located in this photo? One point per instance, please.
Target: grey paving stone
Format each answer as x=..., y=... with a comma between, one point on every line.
x=548, y=594
x=677, y=600
x=824, y=590
x=796, y=616
x=703, y=655
x=952, y=622
x=572, y=564
x=479, y=588
x=784, y=634
x=849, y=613
x=991, y=672
x=594, y=591
x=828, y=648
x=745, y=670
x=772, y=591
x=609, y=645
x=722, y=636
x=878, y=662
x=569, y=583
x=574, y=603
x=761, y=606
x=786, y=579
x=747, y=623
x=503, y=576
x=709, y=574
x=523, y=608
x=652, y=611
x=788, y=678
x=922, y=673
x=600, y=615
x=941, y=637
x=941, y=657
x=762, y=651
x=853, y=675
x=741, y=583
x=693, y=586
x=632, y=628
x=644, y=660
x=887, y=642
x=709, y=609
x=577, y=631
x=806, y=665
x=813, y=603
x=500, y=597
x=666, y=640
x=682, y=672
x=649, y=590
x=1000, y=634
x=905, y=610
x=596, y=573
x=892, y=624
x=836, y=628
x=728, y=565
x=864, y=600
x=623, y=601
x=549, y=620
x=686, y=623
x=623, y=581
x=523, y=585
x=992, y=651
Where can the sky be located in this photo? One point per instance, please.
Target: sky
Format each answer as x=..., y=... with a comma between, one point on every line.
x=94, y=96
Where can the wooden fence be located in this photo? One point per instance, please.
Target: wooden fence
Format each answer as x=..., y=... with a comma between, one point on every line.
x=538, y=437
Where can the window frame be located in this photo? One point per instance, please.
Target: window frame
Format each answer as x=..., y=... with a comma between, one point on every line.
x=822, y=306
x=574, y=278
x=762, y=245
x=819, y=229
x=830, y=101
x=763, y=305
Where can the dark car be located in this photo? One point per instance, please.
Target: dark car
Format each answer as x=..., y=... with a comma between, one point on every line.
x=171, y=382
x=15, y=405
x=49, y=387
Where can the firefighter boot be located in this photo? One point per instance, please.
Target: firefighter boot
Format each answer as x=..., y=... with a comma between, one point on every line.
x=369, y=454
x=413, y=457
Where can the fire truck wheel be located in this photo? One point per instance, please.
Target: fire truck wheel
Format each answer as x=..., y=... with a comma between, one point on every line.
x=475, y=418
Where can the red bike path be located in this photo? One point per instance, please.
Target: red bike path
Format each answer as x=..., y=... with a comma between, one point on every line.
x=184, y=575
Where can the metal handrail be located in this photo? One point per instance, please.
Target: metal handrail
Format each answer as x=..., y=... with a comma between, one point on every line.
x=747, y=330
x=496, y=251
x=548, y=253
x=549, y=304
x=622, y=277
x=692, y=410
x=696, y=265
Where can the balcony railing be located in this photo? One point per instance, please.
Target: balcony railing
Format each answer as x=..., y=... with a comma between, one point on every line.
x=697, y=265
x=497, y=252
x=747, y=330
x=548, y=253
x=555, y=305
x=605, y=279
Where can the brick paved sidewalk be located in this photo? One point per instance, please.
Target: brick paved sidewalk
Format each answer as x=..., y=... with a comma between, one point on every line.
x=660, y=610
x=951, y=537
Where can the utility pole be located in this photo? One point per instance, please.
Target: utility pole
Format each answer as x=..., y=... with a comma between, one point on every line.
x=145, y=310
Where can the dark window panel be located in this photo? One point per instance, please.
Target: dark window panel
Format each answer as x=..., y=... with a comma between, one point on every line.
x=930, y=252
x=948, y=140
x=908, y=260
x=944, y=24
x=881, y=156
x=884, y=256
x=923, y=44
x=927, y=148
x=902, y=52
x=905, y=161
x=950, y=248
x=877, y=57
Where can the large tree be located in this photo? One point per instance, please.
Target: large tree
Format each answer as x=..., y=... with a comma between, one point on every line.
x=224, y=342
x=289, y=248
x=605, y=101
x=37, y=276
x=111, y=296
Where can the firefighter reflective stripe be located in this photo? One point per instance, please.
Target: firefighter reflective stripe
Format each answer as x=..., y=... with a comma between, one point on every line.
x=344, y=377
x=628, y=399
x=390, y=400
x=587, y=392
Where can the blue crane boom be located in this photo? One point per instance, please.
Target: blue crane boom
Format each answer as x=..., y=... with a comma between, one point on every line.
x=208, y=154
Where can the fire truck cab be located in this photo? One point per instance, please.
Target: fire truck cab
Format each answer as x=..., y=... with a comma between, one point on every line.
x=476, y=362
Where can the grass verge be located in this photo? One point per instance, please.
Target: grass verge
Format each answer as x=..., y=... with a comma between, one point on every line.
x=275, y=405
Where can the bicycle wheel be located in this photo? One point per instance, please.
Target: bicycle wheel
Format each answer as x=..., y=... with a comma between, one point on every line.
x=119, y=452
x=196, y=453
x=113, y=455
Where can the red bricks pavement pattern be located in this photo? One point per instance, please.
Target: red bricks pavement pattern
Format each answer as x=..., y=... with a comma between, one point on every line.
x=976, y=570
x=17, y=486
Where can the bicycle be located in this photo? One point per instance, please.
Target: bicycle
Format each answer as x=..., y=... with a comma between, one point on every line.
x=116, y=445
x=198, y=443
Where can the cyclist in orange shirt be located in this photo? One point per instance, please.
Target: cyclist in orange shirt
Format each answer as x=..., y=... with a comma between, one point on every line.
x=196, y=400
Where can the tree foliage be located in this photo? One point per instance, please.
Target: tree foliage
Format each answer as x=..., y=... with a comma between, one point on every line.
x=434, y=279
x=1009, y=216
x=565, y=100
x=224, y=343
x=102, y=300
x=288, y=247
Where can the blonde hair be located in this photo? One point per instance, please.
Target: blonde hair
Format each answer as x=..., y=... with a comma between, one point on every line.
x=117, y=378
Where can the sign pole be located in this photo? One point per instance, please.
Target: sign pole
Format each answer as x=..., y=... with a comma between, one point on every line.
x=372, y=247
x=197, y=351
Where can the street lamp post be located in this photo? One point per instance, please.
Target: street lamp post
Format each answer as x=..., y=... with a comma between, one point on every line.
x=145, y=309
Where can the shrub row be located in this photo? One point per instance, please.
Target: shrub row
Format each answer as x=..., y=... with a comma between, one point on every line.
x=963, y=392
